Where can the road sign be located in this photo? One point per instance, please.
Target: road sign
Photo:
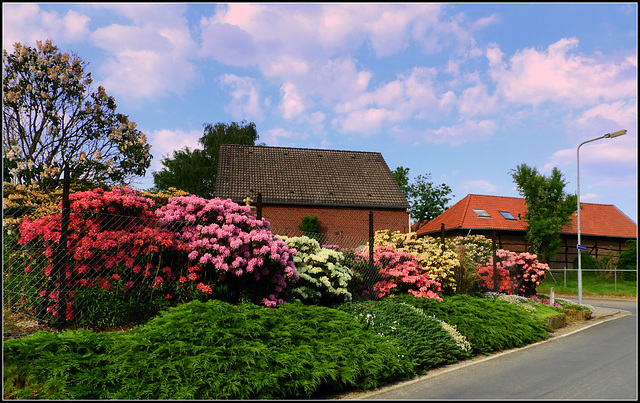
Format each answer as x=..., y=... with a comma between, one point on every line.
x=582, y=247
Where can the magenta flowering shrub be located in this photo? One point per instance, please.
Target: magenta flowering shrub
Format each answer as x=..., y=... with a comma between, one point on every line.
x=111, y=242
x=518, y=273
x=401, y=273
x=227, y=247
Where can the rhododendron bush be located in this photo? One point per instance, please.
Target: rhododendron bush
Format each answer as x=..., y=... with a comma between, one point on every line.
x=428, y=253
x=187, y=249
x=324, y=279
x=518, y=273
x=400, y=273
x=228, y=247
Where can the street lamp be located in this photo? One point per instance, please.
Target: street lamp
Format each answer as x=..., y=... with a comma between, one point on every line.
x=580, y=246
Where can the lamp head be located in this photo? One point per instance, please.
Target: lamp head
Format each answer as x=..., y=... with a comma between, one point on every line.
x=615, y=134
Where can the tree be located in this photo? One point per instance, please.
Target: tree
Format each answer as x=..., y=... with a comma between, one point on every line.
x=52, y=117
x=426, y=201
x=195, y=171
x=548, y=208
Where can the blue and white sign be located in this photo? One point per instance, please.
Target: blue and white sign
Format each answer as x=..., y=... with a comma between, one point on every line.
x=582, y=247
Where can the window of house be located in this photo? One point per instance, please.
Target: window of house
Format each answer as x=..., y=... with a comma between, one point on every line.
x=481, y=213
x=507, y=215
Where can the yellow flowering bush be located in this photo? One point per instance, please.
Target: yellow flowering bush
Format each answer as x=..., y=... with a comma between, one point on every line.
x=428, y=252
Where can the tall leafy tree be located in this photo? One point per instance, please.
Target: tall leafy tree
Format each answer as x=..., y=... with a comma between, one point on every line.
x=195, y=171
x=548, y=208
x=426, y=200
x=51, y=117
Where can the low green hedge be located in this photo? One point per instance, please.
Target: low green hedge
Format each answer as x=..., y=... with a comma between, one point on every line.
x=211, y=350
x=489, y=325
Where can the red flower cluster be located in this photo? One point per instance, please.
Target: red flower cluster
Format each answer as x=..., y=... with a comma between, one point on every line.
x=401, y=272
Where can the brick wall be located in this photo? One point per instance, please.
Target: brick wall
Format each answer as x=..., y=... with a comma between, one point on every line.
x=338, y=224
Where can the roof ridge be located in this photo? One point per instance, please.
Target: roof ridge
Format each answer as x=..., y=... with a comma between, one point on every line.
x=302, y=148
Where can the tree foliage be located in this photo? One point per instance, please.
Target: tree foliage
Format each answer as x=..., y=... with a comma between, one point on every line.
x=426, y=200
x=52, y=117
x=548, y=208
x=195, y=171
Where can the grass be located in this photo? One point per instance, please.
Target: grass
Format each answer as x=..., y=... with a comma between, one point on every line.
x=591, y=284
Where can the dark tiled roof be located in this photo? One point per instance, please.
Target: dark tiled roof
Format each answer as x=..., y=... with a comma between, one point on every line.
x=595, y=219
x=307, y=176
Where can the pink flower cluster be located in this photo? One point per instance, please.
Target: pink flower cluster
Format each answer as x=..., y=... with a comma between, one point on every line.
x=518, y=273
x=223, y=238
x=401, y=272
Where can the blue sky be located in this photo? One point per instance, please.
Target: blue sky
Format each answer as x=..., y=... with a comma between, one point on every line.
x=463, y=92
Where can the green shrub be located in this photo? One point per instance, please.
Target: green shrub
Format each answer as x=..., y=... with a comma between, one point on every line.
x=429, y=342
x=310, y=226
x=489, y=325
x=628, y=260
x=208, y=350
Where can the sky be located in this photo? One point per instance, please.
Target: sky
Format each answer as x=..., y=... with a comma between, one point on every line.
x=461, y=92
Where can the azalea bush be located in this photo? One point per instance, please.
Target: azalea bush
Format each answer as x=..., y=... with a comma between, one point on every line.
x=112, y=238
x=428, y=252
x=230, y=253
x=401, y=273
x=518, y=273
x=324, y=280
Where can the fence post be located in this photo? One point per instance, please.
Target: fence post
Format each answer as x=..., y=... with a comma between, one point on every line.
x=259, y=207
x=495, y=264
x=60, y=261
x=371, y=238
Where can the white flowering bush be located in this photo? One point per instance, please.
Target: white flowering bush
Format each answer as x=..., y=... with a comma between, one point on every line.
x=428, y=252
x=323, y=279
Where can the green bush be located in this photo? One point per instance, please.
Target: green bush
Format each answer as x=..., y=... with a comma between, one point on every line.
x=428, y=341
x=628, y=260
x=489, y=325
x=208, y=350
x=310, y=226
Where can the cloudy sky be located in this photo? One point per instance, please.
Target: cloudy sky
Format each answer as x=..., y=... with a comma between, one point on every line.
x=463, y=92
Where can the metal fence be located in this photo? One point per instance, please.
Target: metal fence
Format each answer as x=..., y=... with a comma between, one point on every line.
x=64, y=286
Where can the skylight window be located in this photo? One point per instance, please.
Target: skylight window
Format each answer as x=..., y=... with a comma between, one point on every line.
x=507, y=215
x=481, y=213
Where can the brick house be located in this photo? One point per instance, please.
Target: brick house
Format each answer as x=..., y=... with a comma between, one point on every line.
x=338, y=187
x=603, y=228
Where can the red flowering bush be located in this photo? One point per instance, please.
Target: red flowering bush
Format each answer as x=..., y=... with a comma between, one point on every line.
x=113, y=241
x=401, y=273
x=518, y=273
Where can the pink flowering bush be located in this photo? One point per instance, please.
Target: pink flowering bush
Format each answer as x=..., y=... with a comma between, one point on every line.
x=401, y=273
x=228, y=250
x=518, y=273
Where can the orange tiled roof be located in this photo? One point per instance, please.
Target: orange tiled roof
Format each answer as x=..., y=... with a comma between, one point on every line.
x=595, y=219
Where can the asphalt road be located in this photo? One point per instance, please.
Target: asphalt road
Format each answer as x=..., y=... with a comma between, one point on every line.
x=597, y=361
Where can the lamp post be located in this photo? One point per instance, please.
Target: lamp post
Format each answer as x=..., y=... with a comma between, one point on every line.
x=579, y=246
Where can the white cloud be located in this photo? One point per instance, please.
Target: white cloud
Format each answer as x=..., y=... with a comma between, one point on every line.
x=532, y=77
x=468, y=131
x=477, y=186
x=148, y=53
x=165, y=141
x=28, y=23
x=292, y=103
x=245, y=97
